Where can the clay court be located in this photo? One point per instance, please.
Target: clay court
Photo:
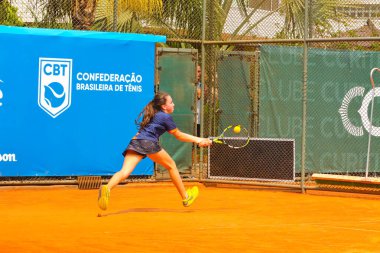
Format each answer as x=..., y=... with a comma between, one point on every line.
x=149, y=218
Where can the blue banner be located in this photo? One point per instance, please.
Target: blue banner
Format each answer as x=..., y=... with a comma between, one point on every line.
x=68, y=100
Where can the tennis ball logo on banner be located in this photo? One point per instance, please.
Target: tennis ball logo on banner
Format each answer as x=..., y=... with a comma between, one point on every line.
x=54, y=85
x=363, y=111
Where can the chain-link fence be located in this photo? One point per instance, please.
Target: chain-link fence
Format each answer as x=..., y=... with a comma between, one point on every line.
x=285, y=69
x=229, y=20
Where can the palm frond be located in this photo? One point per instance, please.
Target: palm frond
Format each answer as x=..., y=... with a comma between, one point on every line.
x=56, y=11
x=130, y=14
x=321, y=13
x=185, y=16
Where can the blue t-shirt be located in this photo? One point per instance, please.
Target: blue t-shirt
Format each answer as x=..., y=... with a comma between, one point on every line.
x=160, y=123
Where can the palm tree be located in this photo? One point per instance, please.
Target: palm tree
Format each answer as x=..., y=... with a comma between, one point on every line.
x=180, y=19
x=56, y=13
x=8, y=14
x=91, y=14
x=125, y=15
x=83, y=14
x=183, y=18
x=321, y=13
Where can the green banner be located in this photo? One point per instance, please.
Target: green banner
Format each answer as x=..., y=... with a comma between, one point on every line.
x=176, y=76
x=280, y=105
x=339, y=95
x=234, y=80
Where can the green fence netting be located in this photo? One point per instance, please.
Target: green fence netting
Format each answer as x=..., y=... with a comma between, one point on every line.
x=235, y=90
x=177, y=77
x=337, y=107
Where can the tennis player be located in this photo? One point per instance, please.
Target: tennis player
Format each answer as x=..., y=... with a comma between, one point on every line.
x=156, y=120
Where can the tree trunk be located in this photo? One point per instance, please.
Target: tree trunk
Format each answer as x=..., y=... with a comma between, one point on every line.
x=83, y=14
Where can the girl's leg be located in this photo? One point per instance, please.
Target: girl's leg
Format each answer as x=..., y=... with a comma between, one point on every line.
x=131, y=159
x=163, y=158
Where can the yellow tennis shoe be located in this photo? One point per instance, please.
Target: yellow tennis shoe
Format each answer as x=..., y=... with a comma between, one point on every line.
x=103, y=197
x=192, y=194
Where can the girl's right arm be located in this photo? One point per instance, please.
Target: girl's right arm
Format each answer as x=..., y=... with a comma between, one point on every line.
x=202, y=142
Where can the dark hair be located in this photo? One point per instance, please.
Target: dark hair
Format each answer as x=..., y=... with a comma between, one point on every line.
x=151, y=109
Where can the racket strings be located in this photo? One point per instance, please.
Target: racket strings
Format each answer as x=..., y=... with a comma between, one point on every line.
x=236, y=139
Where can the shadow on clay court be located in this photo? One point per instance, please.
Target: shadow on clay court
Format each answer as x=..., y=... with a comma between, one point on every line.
x=144, y=210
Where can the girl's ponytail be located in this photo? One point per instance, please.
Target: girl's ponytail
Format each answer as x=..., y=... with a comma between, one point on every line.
x=151, y=109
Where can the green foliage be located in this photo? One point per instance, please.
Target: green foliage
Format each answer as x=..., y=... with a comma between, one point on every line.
x=375, y=46
x=8, y=14
x=352, y=33
x=343, y=45
x=129, y=16
x=56, y=14
x=321, y=13
x=370, y=46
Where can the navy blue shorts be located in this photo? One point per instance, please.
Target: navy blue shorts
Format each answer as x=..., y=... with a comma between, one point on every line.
x=143, y=147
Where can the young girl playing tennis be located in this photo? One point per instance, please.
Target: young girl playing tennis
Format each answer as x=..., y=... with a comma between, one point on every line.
x=156, y=120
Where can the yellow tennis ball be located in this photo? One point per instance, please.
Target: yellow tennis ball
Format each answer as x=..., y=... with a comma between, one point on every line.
x=237, y=129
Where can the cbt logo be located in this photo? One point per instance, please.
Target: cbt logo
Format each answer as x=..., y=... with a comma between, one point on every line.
x=54, y=85
x=363, y=111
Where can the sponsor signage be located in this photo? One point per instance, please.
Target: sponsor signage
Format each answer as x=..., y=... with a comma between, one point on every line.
x=54, y=85
x=68, y=100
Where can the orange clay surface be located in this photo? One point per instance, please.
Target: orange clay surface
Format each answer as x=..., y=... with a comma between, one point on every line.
x=150, y=218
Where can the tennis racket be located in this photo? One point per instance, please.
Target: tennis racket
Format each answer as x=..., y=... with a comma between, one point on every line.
x=234, y=136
